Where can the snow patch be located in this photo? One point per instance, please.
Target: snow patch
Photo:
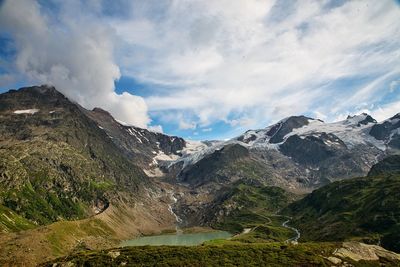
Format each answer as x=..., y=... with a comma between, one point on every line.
x=132, y=132
x=26, y=111
x=122, y=123
x=349, y=131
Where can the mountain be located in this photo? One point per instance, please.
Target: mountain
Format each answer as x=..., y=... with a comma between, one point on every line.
x=390, y=165
x=297, y=153
x=145, y=148
x=73, y=179
x=359, y=209
x=388, y=132
x=55, y=162
x=68, y=180
x=366, y=208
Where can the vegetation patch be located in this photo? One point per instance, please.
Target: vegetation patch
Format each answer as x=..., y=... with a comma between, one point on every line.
x=365, y=209
x=272, y=254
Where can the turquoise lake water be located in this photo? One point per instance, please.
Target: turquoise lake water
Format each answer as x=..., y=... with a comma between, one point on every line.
x=177, y=239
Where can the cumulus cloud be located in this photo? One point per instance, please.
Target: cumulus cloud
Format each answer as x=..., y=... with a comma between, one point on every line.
x=72, y=51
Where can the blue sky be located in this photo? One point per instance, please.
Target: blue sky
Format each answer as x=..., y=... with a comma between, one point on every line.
x=213, y=73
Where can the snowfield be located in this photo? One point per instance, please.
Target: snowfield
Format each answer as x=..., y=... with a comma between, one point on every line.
x=349, y=131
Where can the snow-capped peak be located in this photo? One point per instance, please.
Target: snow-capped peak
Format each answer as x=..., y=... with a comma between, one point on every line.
x=352, y=131
x=362, y=118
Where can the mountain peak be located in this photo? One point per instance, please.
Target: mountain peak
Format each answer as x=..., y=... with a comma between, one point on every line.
x=34, y=97
x=285, y=126
x=397, y=116
x=43, y=89
x=295, y=118
x=361, y=119
x=101, y=111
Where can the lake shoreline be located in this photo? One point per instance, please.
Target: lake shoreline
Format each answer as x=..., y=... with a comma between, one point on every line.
x=192, y=237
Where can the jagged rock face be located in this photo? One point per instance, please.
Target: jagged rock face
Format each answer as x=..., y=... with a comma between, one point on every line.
x=388, y=131
x=382, y=131
x=140, y=145
x=55, y=162
x=312, y=150
x=212, y=167
x=32, y=98
x=278, y=131
x=365, y=121
x=301, y=153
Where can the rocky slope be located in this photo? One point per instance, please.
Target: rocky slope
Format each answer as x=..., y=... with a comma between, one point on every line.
x=145, y=148
x=388, y=132
x=58, y=165
x=55, y=162
x=298, y=153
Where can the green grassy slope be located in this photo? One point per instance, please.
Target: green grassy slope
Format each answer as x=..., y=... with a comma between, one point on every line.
x=227, y=255
x=367, y=208
x=11, y=222
x=233, y=254
x=248, y=205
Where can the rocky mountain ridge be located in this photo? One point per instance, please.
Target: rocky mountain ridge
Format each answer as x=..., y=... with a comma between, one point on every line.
x=56, y=163
x=301, y=153
x=297, y=154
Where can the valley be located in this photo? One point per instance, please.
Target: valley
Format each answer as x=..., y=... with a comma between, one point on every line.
x=79, y=187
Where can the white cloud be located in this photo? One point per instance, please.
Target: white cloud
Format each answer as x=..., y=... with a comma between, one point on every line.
x=207, y=130
x=156, y=128
x=183, y=125
x=319, y=115
x=394, y=85
x=386, y=111
x=74, y=52
x=269, y=59
x=6, y=79
x=244, y=62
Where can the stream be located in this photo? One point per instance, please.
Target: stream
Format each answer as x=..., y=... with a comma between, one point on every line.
x=293, y=239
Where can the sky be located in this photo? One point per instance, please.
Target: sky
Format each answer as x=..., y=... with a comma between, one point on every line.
x=208, y=69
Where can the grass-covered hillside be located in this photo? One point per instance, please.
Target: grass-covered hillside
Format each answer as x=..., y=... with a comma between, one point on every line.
x=251, y=206
x=366, y=208
x=236, y=254
x=55, y=162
